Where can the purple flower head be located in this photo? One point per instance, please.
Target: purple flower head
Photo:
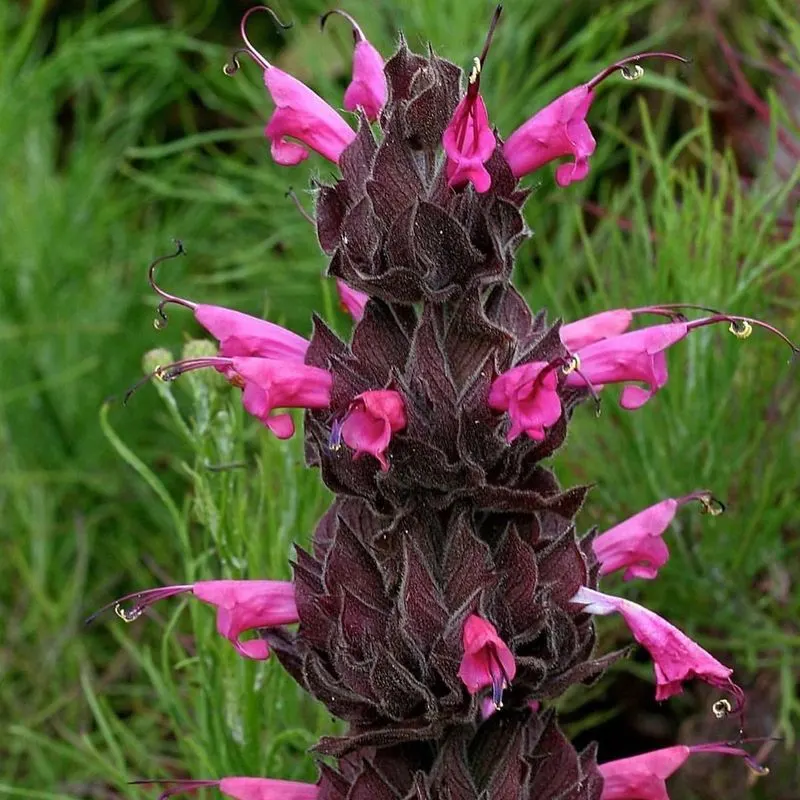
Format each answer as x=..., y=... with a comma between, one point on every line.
x=242, y=606
x=636, y=545
x=369, y=89
x=300, y=113
x=560, y=128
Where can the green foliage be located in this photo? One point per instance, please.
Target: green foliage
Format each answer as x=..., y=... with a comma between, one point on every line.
x=120, y=132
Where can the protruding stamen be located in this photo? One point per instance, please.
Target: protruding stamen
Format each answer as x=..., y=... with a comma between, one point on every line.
x=335, y=438
x=142, y=600
x=500, y=680
x=161, y=321
x=248, y=45
x=292, y=195
x=358, y=34
x=741, y=327
x=630, y=68
x=479, y=61
x=171, y=371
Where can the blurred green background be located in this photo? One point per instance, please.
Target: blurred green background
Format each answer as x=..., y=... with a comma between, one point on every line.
x=119, y=131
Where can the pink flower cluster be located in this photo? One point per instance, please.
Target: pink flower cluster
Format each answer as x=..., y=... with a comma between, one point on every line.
x=268, y=364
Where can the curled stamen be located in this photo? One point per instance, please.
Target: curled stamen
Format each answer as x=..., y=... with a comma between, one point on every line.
x=292, y=195
x=358, y=34
x=234, y=65
x=248, y=45
x=630, y=67
x=142, y=600
x=500, y=681
x=161, y=321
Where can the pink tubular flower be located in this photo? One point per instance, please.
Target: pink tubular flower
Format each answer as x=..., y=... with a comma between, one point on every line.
x=560, y=128
x=241, y=606
x=468, y=140
x=643, y=777
x=352, y=301
x=369, y=89
x=636, y=546
x=371, y=420
x=487, y=660
x=676, y=657
x=634, y=356
x=529, y=393
x=300, y=112
x=243, y=788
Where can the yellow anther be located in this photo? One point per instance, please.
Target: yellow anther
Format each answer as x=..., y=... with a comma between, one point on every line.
x=571, y=365
x=711, y=506
x=721, y=709
x=476, y=70
x=740, y=328
x=632, y=72
x=128, y=616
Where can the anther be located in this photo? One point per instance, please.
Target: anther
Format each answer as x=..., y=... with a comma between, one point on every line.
x=128, y=616
x=722, y=708
x=476, y=70
x=630, y=69
x=632, y=72
x=573, y=364
x=740, y=328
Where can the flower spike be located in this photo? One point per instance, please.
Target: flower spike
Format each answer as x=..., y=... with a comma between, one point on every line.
x=369, y=89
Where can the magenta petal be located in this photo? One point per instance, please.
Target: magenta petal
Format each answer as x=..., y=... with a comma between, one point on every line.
x=635, y=545
x=676, y=658
x=369, y=89
x=305, y=116
x=487, y=659
x=243, y=335
x=530, y=396
x=352, y=301
x=371, y=420
x=247, y=605
x=469, y=143
x=642, y=777
x=586, y=331
x=267, y=789
x=559, y=129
